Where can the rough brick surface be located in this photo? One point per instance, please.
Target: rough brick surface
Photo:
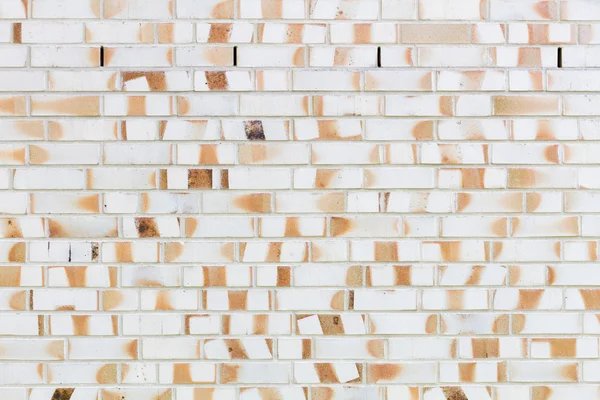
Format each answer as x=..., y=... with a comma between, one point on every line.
x=299, y=199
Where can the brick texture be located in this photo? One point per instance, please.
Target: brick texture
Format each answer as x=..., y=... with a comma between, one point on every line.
x=299, y=199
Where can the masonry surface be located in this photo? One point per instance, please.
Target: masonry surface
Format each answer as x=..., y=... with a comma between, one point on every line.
x=299, y=199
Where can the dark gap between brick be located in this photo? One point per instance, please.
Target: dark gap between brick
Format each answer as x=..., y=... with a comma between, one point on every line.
x=102, y=56
x=378, y=56
x=235, y=56
x=560, y=57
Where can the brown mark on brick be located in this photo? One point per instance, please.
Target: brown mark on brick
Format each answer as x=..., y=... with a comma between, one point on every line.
x=11, y=228
x=298, y=59
x=431, y=325
x=291, y=227
x=17, y=32
x=454, y=299
x=499, y=227
x=204, y=394
x=208, y=154
x=521, y=178
x=163, y=300
x=446, y=105
x=318, y=111
x=226, y=250
x=260, y=324
x=354, y=276
x=337, y=301
x=475, y=276
x=10, y=276
x=324, y=176
x=216, y=80
x=56, y=349
x=260, y=80
x=592, y=251
x=294, y=33
x=272, y=9
x=200, y=178
x=63, y=394
x=146, y=227
x=375, y=347
x=182, y=373
x=423, y=130
x=219, y=33
x=569, y=225
x=341, y=56
x=107, y=374
x=256, y=203
x=362, y=33
x=229, y=373
x=76, y=276
x=551, y=153
x=485, y=348
x=214, y=276
x=237, y=299
x=546, y=9
x=224, y=179
x=191, y=224
x=518, y=323
x=254, y=130
x=500, y=324
x=13, y=105
x=81, y=325
x=18, y=300
x=383, y=372
x=183, y=105
x=136, y=105
x=166, y=33
x=557, y=249
x=156, y=79
x=223, y=10
x=541, y=393
x=274, y=252
x=283, y=276
x=76, y=105
x=17, y=252
x=331, y=324
x=113, y=7
x=326, y=373
x=306, y=349
x=514, y=274
x=131, y=349
x=544, y=130
x=386, y=251
x=570, y=372
x=146, y=35
x=463, y=200
x=591, y=298
x=123, y=251
x=402, y=275
x=473, y=178
x=332, y=202
x=35, y=129
x=454, y=393
x=236, y=349
x=533, y=201
x=111, y=299
x=340, y=226
x=560, y=348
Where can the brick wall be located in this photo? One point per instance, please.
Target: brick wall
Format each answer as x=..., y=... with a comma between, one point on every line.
x=299, y=199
